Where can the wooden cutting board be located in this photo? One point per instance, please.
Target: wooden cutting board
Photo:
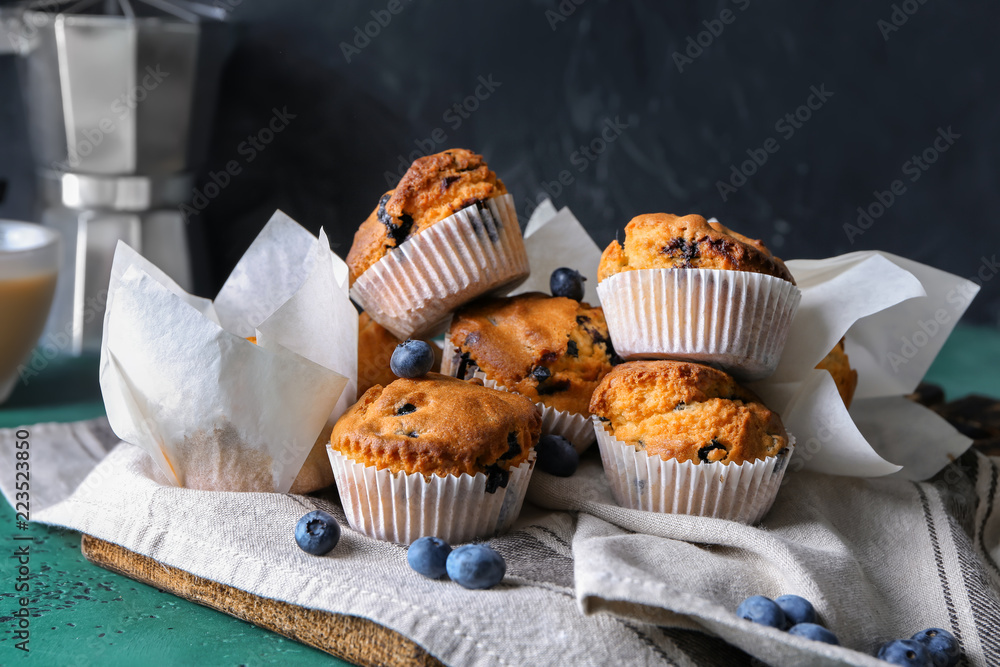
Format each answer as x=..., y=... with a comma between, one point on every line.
x=357, y=640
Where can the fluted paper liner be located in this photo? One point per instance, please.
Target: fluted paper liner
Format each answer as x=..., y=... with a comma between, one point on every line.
x=413, y=288
x=735, y=320
x=640, y=481
x=573, y=426
x=400, y=507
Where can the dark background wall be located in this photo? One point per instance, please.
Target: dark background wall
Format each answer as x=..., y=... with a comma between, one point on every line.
x=563, y=72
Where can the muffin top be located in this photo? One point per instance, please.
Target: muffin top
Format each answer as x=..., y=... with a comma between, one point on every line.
x=433, y=188
x=551, y=349
x=439, y=425
x=687, y=412
x=839, y=366
x=665, y=241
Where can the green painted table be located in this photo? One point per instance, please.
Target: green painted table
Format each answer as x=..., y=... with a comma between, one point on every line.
x=90, y=616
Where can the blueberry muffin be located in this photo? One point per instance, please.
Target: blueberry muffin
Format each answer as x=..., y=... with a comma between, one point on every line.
x=553, y=350
x=838, y=365
x=439, y=425
x=687, y=412
x=434, y=187
x=665, y=241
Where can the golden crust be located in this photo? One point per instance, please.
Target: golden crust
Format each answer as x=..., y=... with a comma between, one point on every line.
x=511, y=339
x=438, y=425
x=687, y=412
x=665, y=241
x=839, y=366
x=433, y=188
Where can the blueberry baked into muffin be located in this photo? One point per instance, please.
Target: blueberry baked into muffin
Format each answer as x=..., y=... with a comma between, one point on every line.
x=445, y=235
x=687, y=412
x=665, y=241
x=553, y=350
x=434, y=455
x=434, y=187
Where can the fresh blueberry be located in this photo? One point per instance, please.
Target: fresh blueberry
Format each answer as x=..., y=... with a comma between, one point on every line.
x=476, y=566
x=797, y=609
x=427, y=555
x=942, y=646
x=814, y=632
x=317, y=533
x=556, y=456
x=411, y=359
x=760, y=609
x=905, y=652
x=568, y=283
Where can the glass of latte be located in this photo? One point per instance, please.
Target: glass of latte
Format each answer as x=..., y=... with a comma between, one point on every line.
x=29, y=264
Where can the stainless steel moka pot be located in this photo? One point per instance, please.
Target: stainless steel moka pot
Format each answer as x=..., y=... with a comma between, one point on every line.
x=119, y=99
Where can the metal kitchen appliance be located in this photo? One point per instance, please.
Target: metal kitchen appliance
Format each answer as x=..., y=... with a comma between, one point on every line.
x=119, y=97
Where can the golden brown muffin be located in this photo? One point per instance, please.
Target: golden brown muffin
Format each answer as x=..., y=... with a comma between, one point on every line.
x=839, y=366
x=664, y=241
x=553, y=350
x=434, y=187
x=439, y=425
x=687, y=412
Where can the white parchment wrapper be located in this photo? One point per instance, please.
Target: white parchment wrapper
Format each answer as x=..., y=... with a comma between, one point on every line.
x=895, y=315
x=573, y=426
x=554, y=240
x=412, y=290
x=403, y=507
x=215, y=411
x=735, y=320
x=743, y=492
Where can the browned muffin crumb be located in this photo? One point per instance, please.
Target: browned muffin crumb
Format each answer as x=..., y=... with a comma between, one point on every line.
x=687, y=412
x=664, y=241
x=439, y=425
x=434, y=187
x=553, y=350
x=839, y=366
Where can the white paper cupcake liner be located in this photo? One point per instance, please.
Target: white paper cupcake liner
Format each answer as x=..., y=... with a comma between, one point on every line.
x=402, y=507
x=573, y=426
x=735, y=320
x=639, y=481
x=476, y=251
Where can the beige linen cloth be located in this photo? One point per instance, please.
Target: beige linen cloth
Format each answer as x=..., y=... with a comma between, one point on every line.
x=588, y=583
